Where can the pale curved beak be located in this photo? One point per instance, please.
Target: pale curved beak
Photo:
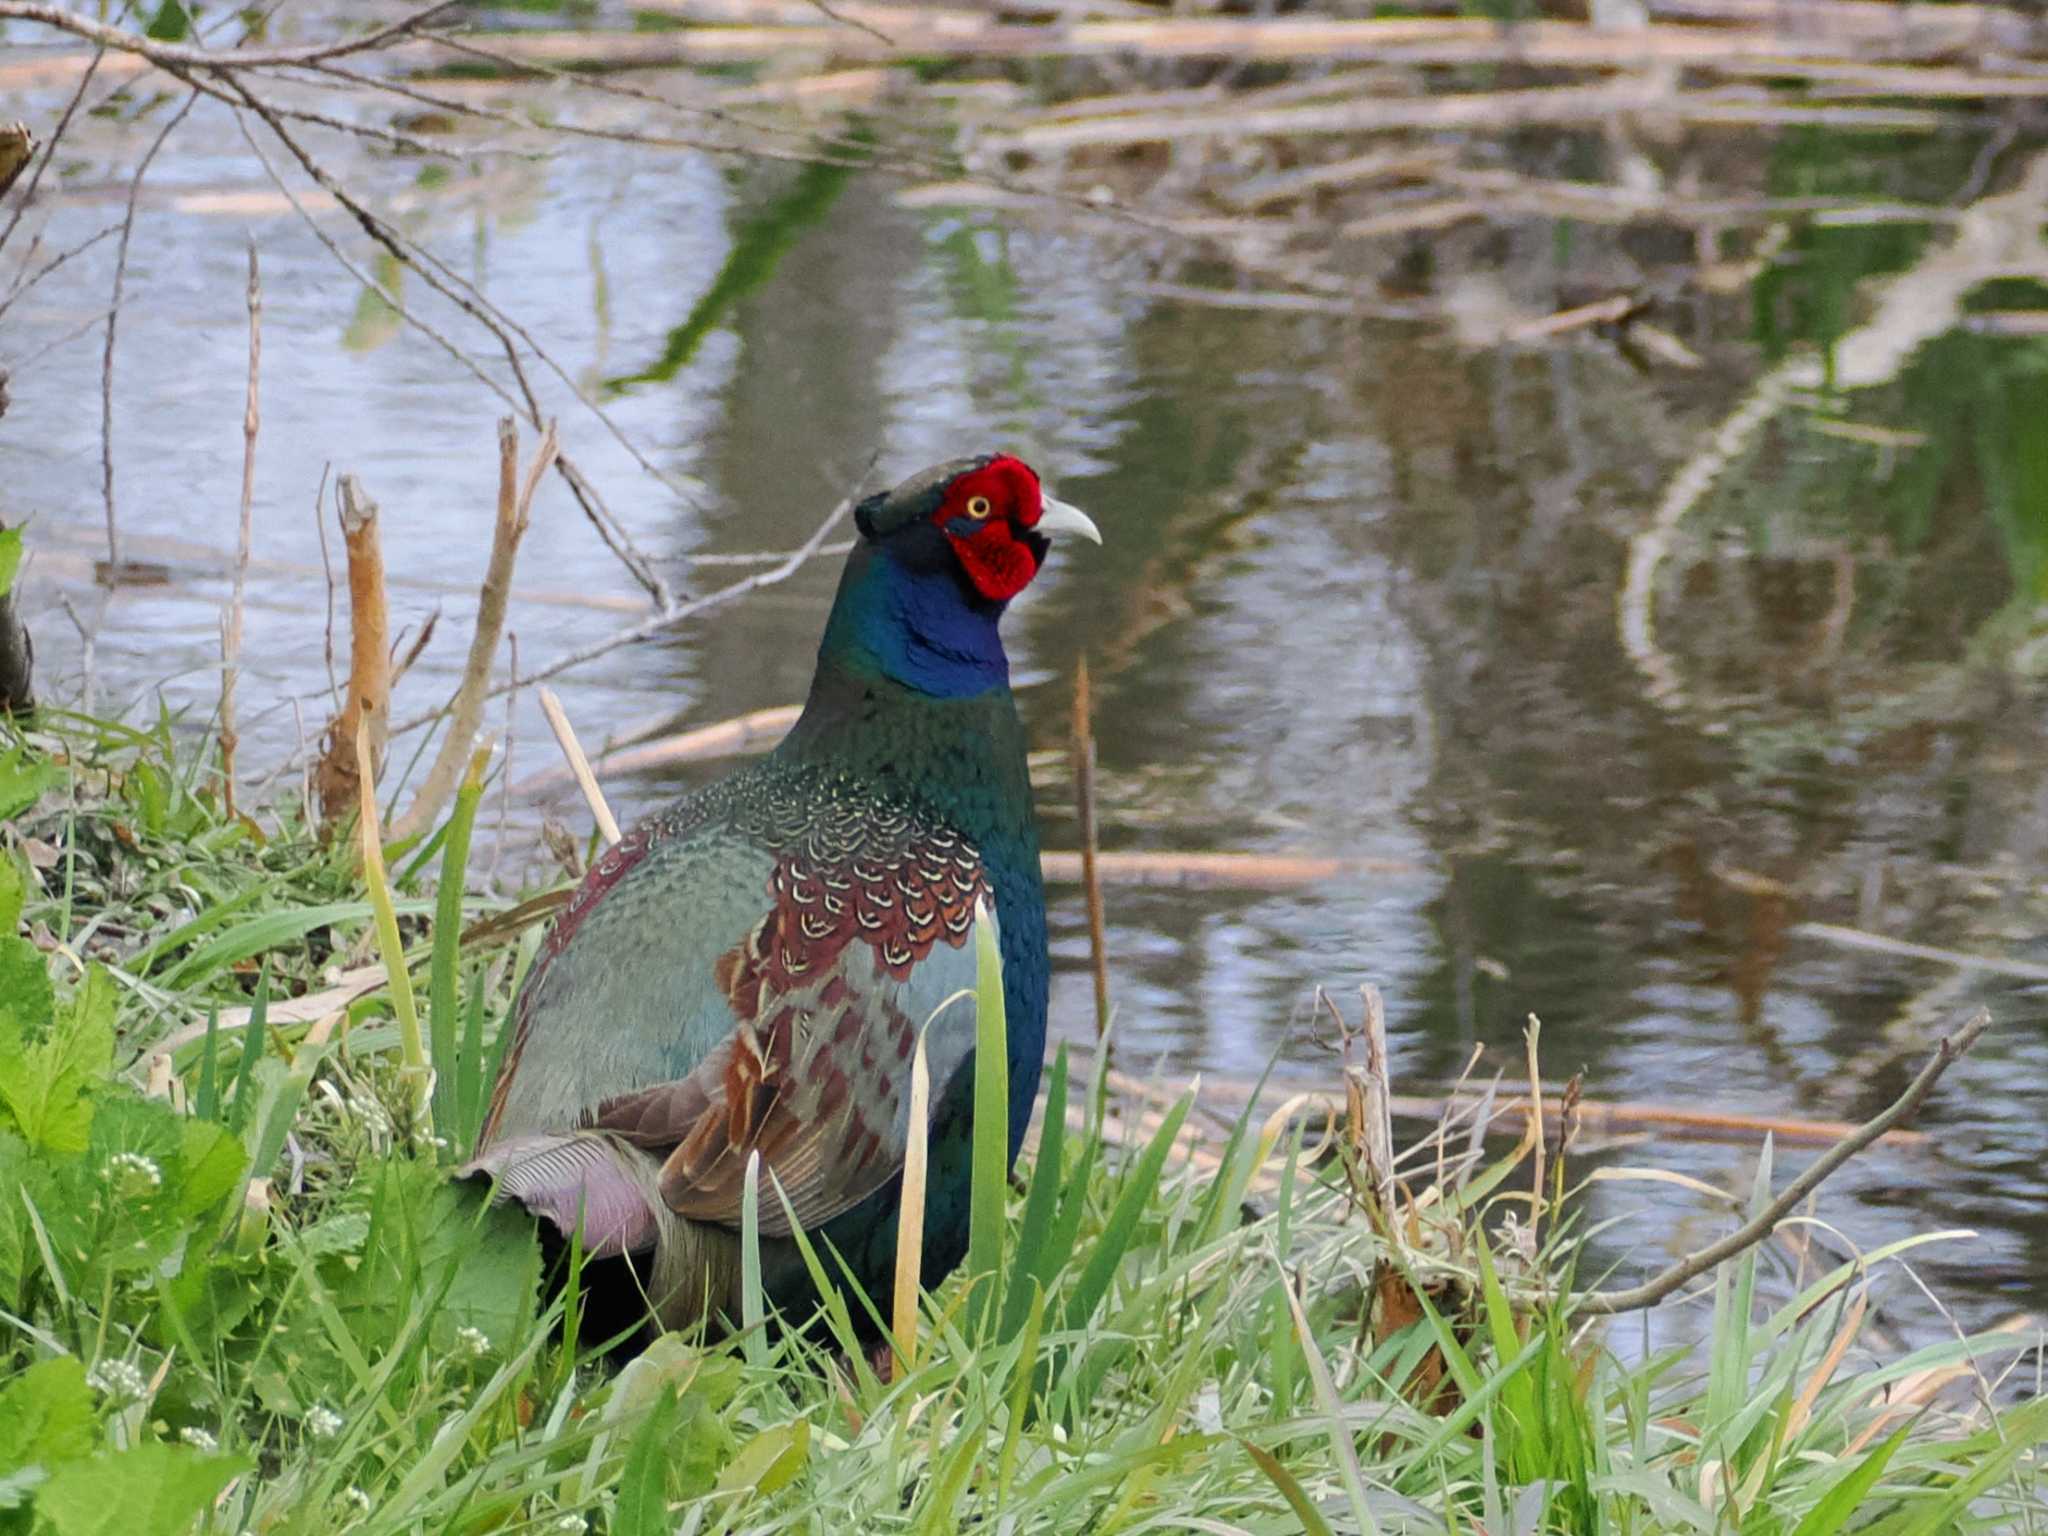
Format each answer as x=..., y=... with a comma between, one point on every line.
x=1060, y=517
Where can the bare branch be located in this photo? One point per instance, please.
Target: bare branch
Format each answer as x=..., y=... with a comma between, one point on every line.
x=177, y=57
x=1650, y=1292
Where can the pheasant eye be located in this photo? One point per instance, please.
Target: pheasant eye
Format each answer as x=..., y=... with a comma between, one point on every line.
x=977, y=507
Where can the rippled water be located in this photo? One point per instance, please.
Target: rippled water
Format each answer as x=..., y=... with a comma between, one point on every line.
x=1358, y=596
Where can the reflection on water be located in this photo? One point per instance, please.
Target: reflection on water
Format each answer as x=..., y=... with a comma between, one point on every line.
x=1358, y=595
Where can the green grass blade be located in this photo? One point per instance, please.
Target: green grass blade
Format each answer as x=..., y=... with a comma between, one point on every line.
x=988, y=1197
x=640, y=1505
x=1311, y=1518
x=1845, y=1494
x=1140, y=1186
x=1333, y=1409
x=753, y=1314
x=260, y=935
x=1039, y=1205
x=206, y=1100
x=255, y=1038
x=442, y=992
x=473, y=1082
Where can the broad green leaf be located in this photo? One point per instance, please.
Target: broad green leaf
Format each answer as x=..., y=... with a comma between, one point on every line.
x=46, y=1084
x=10, y=558
x=27, y=1001
x=46, y=1416
x=13, y=892
x=150, y=1490
x=770, y=1461
x=24, y=779
x=171, y=23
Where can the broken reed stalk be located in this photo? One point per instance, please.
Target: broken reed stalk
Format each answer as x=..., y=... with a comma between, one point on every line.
x=1374, y=1111
x=515, y=506
x=572, y=749
x=1650, y=1292
x=366, y=711
x=231, y=636
x=1083, y=754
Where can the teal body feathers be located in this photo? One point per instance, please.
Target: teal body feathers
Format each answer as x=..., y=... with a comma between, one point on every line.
x=747, y=971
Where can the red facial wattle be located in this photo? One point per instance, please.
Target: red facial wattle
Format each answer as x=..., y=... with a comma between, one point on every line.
x=998, y=562
x=990, y=513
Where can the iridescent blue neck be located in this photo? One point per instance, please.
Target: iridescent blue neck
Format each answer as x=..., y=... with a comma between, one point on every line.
x=918, y=626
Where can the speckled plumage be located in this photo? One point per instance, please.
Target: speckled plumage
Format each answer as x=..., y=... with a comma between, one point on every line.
x=747, y=971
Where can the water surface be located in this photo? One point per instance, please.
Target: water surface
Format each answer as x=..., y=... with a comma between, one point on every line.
x=1358, y=595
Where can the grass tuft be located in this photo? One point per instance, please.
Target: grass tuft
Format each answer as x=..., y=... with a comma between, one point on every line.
x=251, y=1300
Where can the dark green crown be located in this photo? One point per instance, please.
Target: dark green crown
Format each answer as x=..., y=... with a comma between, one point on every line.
x=915, y=499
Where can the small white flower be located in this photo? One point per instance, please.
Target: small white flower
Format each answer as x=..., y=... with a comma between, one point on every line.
x=322, y=1422
x=132, y=1176
x=118, y=1379
x=472, y=1342
x=355, y=1499
x=199, y=1439
x=572, y=1524
x=374, y=1117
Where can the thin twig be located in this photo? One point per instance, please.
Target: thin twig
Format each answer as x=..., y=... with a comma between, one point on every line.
x=654, y=624
x=515, y=507
x=565, y=736
x=28, y=280
x=113, y=316
x=467, y=297
x=1650, y=1292
x=231, y=639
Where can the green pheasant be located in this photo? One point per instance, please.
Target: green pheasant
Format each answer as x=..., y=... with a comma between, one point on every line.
x=748, y=971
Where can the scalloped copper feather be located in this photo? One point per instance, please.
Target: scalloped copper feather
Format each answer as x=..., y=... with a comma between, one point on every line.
x=815, y=1077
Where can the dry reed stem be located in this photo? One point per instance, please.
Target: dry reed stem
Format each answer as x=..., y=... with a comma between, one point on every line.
x=1081, y=750
x=1373, y=1107
x=572, y=749
x=231, y=636
x=1654, y=1290
x=515, y=508
x=366, y=711
x=910, y=1214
